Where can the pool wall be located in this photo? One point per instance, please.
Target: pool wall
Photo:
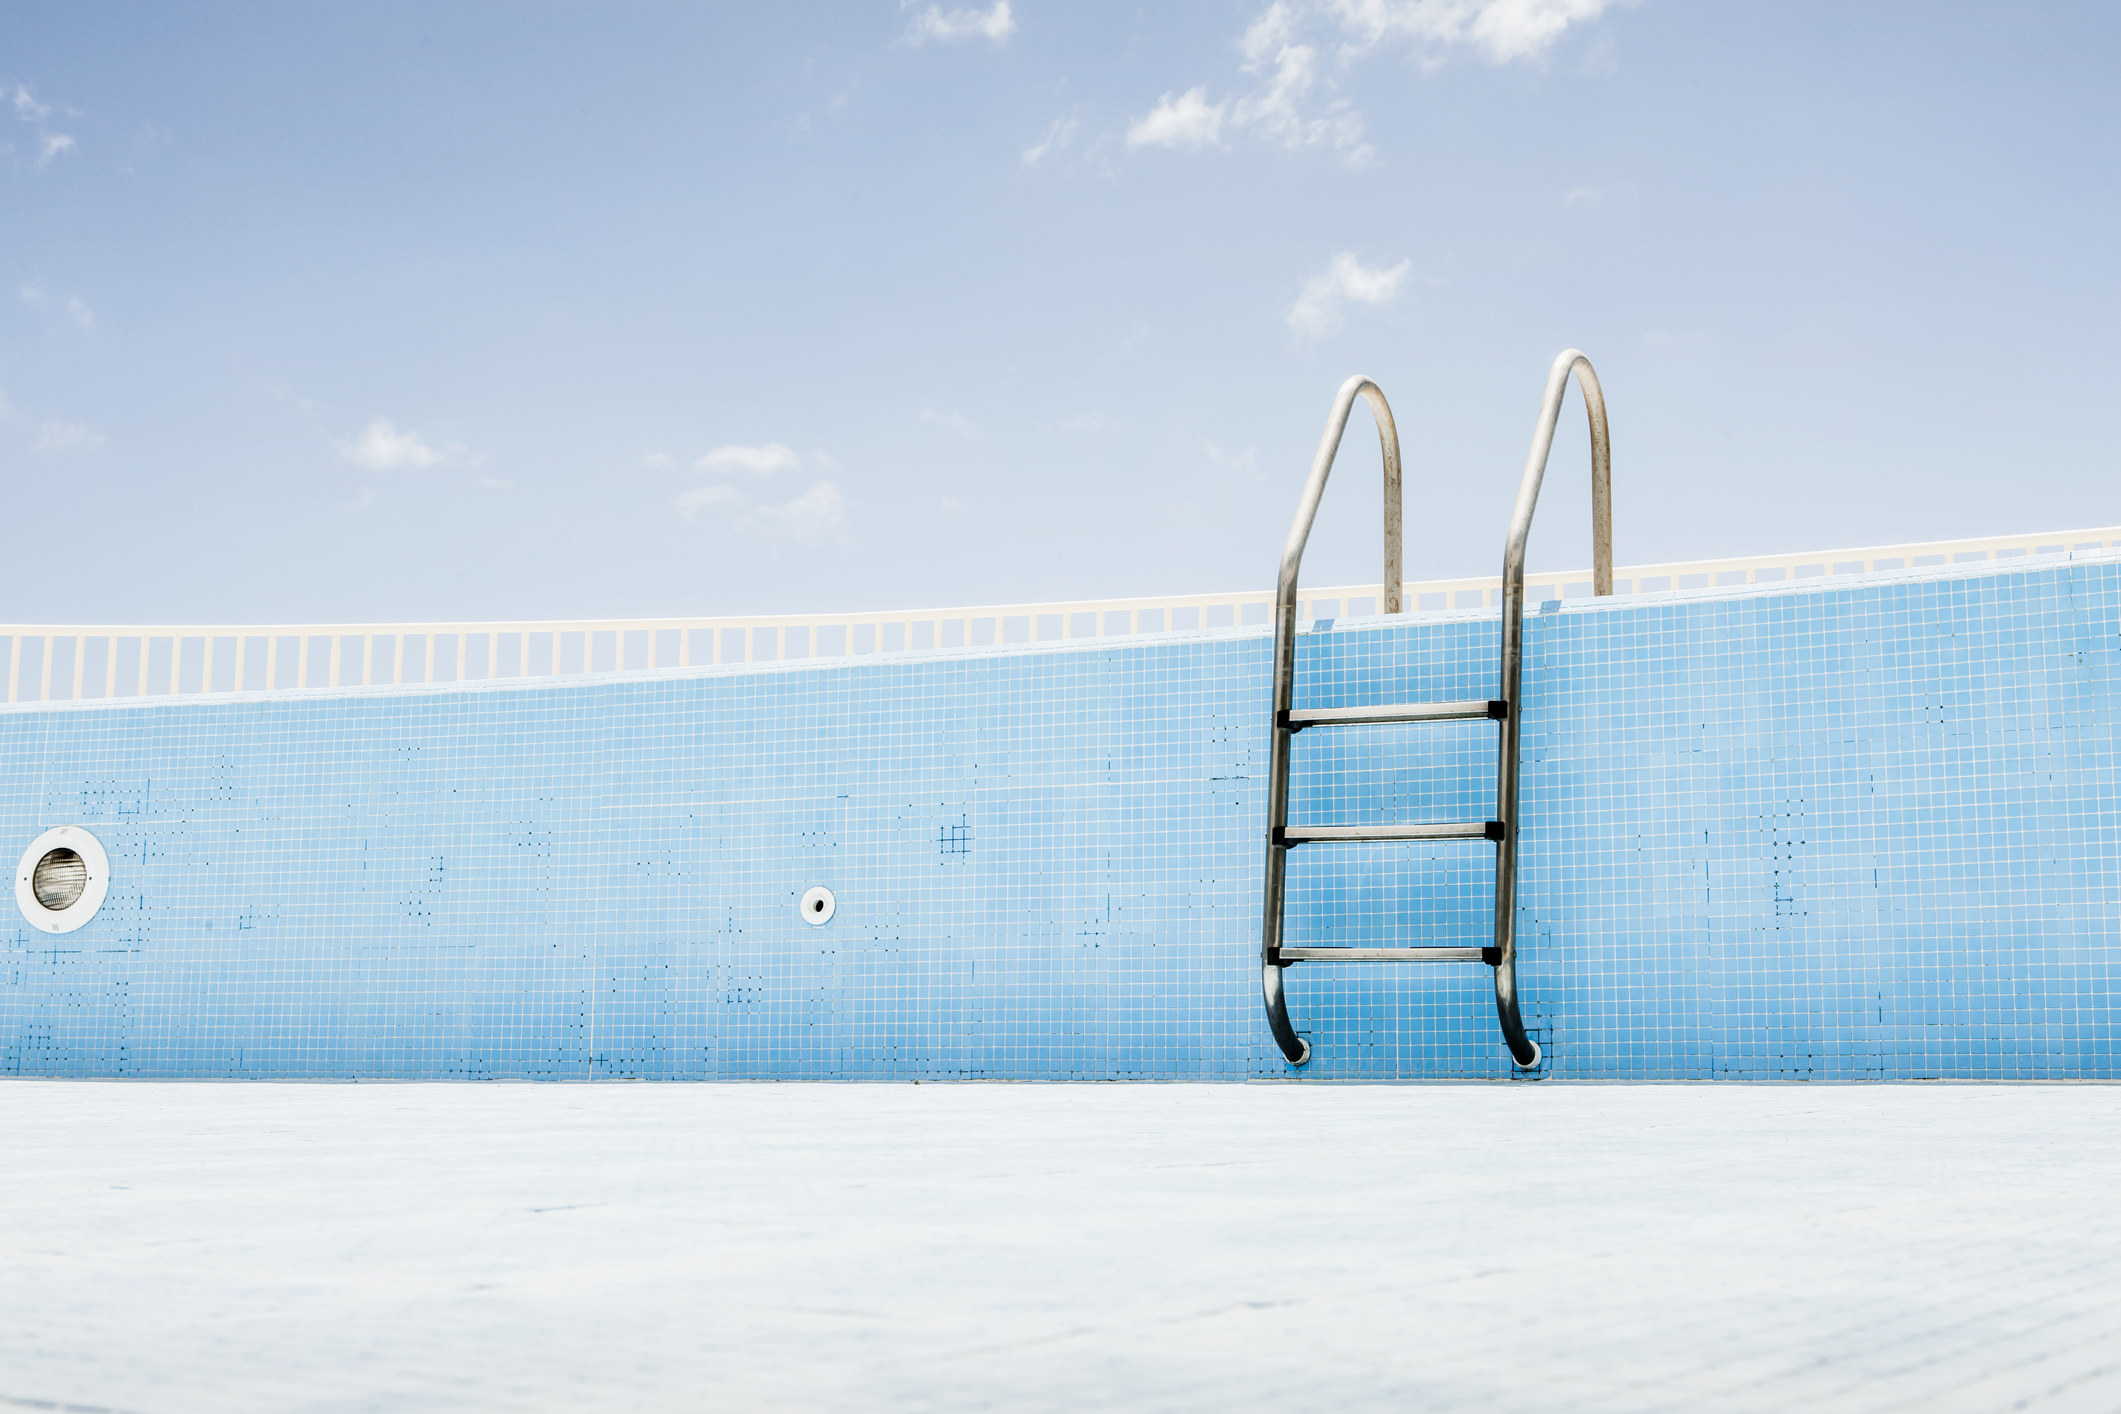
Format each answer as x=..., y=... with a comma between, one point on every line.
x=1860, y=831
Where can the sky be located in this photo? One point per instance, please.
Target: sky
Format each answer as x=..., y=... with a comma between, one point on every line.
x=400, y=311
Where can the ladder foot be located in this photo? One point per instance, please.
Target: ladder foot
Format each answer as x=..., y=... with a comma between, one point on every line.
x=1533, y=1063
x=1294, y=1048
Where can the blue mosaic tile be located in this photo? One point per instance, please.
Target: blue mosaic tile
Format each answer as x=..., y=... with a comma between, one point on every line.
x=1850, y=830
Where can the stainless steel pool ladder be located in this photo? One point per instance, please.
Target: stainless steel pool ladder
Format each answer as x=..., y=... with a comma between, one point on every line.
x=1289, y=719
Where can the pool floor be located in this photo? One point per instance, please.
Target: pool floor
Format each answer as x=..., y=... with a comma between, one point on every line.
x=838, y=1247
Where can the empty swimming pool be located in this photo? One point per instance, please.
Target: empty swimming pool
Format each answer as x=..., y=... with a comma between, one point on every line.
x=1842, y=827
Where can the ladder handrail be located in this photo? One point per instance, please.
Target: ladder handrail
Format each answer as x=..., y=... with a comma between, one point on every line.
x=1522, y=1048
x=1293, y=1046
x=1506, y=709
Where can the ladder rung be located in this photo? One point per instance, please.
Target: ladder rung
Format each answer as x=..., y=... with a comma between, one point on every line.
x=1289, y=836
x=1298, y=718
x=1386, y=955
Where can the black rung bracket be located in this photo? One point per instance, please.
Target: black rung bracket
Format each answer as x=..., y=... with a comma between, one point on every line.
x=1289, y=957
x=1295, y=719
x=1290, y=836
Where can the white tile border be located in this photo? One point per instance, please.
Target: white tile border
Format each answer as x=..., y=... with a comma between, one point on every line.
x=1944, y=560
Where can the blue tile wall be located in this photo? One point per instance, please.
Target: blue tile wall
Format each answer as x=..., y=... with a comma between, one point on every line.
x=1863, y=830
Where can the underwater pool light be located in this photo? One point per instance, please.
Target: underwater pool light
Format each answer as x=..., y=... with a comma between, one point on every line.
x=62, y=879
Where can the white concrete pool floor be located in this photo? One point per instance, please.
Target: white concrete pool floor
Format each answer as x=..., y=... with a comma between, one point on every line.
x=856, y=1247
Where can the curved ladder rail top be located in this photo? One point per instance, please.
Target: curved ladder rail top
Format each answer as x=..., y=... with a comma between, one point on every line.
x=1522, y=1048
x=1293, y=1046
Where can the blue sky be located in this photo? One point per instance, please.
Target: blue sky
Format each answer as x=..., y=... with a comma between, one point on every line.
x=413, y=311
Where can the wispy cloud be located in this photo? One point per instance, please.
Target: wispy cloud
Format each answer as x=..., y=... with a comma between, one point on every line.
x=50, y=144
x=1500, y=31
x=813, y=517
x=1321, y=306
x=1182, y=120
x=762, y=460
x=1057, y=137
x=35, y=296
x=1294, y=49
x=1292, y=103
x=281, y=393
x=7, y=409
x=952, y=421
x=816, y=515
x=68, y=437
x=382, y=447
x=995, y=24
x=705, y=498
x=658, y=461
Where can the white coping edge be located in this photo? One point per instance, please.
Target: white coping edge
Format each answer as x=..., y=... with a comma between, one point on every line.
x=1613, y=603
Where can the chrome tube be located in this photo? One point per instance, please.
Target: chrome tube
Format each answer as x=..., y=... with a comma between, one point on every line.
x=1293, y=1047
x=1523, y=1049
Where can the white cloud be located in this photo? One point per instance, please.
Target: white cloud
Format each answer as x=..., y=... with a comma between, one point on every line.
x=1288, y=73
x=1277, y=109
x=1321, y=307
x=68, y=437
x=35, y=296
x=29, y=110
x=284, y=394
x=1501, y=31
x=382, y=447
x=1294, y=100
x=702, y=498
x=657, y=461
x=496, y=483
x=762, y=460
x=815, y=515
x=954, y=421
x=1057, y=137
x=994, y=23
x=1180, y=120
x=1083, y=422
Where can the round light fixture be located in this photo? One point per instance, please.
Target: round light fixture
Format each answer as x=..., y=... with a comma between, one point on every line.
x=817, y=907
x=62, y=879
